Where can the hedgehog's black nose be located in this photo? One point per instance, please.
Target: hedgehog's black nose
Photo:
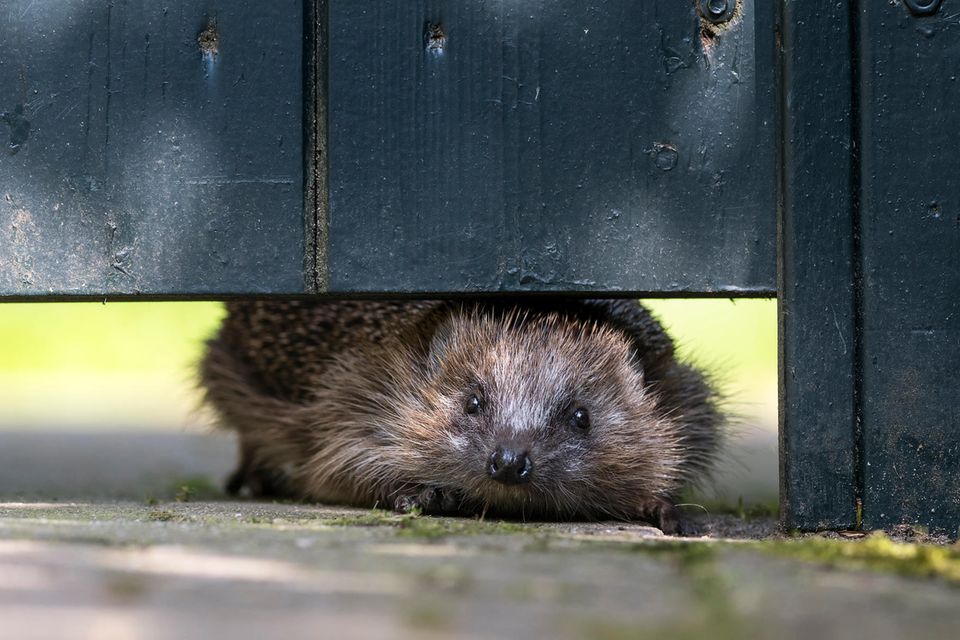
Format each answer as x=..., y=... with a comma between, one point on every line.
x=510, y=466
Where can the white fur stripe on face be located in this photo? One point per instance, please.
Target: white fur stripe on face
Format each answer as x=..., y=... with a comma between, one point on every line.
x=528, y=394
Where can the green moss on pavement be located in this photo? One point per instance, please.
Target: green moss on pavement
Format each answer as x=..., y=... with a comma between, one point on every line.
x=876, y=552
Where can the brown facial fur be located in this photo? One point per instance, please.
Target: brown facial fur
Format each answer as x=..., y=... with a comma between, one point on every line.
x=364, y=403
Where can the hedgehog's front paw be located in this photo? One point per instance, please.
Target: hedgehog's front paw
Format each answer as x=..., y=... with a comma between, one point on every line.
x=429, y=500
x=247, y=482
x=666, y=517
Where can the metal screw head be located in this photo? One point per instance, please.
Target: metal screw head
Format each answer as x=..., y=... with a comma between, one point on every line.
x=716, y=11
x=665, y=156
x=923, y=7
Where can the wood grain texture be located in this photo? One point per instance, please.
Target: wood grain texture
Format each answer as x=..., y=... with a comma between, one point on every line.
x=870, y=290
x=550, y=146
x=911, y=275
x=131, y=162
x=565, y=146
x=818, y=320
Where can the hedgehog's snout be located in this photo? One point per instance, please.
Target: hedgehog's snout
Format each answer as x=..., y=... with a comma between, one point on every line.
x=510, y=465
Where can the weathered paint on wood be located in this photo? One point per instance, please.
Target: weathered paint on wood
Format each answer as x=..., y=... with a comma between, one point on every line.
x=568, y=146
x=134, y=161
x=561, y=146
x=910, y=225
x=870, y=285
x=817, y=296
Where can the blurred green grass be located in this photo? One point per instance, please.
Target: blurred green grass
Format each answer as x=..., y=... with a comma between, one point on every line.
x=132, y=363
x=95, y=366
x=92, y=337
x=738, y=338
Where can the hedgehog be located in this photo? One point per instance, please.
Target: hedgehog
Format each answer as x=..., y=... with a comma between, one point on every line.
x=542, y=408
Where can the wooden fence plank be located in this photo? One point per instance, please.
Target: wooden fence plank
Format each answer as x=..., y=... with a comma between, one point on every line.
x=135, y=159
x=818, y=321
x=911, y=267
x=552, y=146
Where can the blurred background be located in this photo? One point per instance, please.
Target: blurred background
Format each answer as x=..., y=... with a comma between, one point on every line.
x=101, y=399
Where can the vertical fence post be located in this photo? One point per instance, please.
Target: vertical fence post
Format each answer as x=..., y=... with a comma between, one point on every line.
x=817, y=268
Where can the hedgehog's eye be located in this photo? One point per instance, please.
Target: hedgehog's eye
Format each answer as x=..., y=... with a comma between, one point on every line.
x=473, y=405
x=580, y=419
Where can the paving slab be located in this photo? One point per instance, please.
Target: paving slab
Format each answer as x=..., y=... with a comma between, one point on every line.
x=124, y=569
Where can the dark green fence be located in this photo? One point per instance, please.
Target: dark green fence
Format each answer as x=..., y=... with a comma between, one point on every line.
x=681, y=147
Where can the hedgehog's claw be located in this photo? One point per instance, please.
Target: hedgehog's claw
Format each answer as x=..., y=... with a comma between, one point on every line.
x=429, y=500
x=665, y=516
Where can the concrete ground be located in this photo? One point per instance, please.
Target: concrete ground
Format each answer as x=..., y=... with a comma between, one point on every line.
x=128, y=537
